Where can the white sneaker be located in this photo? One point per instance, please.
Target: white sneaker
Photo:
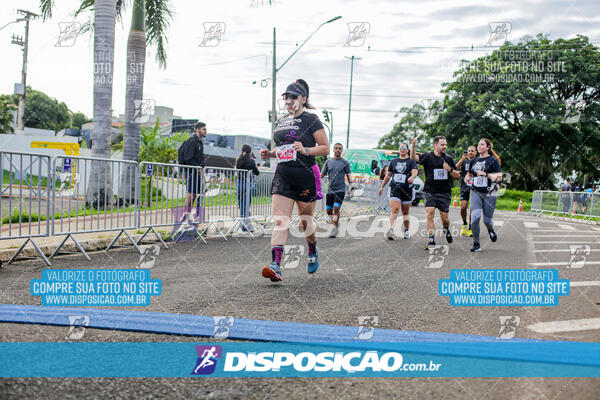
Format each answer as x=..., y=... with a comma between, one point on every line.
x=406, y=234
x=390, y=234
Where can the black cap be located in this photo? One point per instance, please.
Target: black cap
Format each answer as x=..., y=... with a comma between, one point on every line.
x=296, y=89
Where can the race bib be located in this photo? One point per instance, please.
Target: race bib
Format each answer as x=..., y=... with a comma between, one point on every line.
x=399, y=178
x=440, y=174
x=480, y=181
x=286, y=153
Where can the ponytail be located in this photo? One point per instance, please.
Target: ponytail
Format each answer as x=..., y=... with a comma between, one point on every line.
x=305, y=85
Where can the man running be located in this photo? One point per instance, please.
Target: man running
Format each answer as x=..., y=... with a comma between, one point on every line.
x=336, y=169
x=465, y=189
x=402, y=171
x=439, y=170
x=485, y=172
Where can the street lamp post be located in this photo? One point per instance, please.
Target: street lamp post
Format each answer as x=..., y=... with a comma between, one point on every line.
x=277, y=69
x=350, y=98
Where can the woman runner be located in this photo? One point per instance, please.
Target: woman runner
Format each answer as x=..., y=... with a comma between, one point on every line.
x=402, y=171
x=299, y=137
x=485, y=172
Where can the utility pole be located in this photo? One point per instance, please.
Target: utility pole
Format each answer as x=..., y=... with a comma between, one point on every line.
x=27, y=15
x=277, y=69
x=274, y=91
x=350, y=98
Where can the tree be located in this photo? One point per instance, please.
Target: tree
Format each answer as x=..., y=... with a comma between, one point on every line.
x=413, y=123
x=79, y=119
x=155, y=15
x=6, y=116
x=104, y=46
x=521, y=97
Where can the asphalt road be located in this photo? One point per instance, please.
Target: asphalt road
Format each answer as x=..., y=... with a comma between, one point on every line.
x=359, y=276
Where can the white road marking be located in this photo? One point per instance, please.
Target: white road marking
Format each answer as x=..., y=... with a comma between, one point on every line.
x=558, y=250
x=555, y=230
x=566, y=242
x=498, y=223
x=572, y=325
x=561, y=263
x=584, y=283
x=529, y=224
x=570, y=235
x=567, y=227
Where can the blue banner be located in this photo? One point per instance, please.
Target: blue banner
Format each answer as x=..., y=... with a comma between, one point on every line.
x=264, y=359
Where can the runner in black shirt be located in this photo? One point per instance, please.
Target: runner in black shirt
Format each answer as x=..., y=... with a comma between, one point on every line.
x=465, y=190
x=439, y=171
x=401, y=173
x=299, y=137
x=484, y=172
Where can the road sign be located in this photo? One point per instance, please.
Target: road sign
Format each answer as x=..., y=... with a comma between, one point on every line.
x=66, y=165
x=148, y=169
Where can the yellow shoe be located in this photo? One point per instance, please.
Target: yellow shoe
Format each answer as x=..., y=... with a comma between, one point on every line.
x=470, y=233
x=463, y=231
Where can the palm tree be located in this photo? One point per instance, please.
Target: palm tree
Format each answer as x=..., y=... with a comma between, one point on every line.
x=155, y=15
x=149, y=22
x=105, y=14
x=104, y=48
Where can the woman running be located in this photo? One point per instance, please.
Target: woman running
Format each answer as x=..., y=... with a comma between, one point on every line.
x=402, y=171
x=299, y=137
x=486, y=173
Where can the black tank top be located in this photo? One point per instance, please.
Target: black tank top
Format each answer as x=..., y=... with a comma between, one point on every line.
x=300, y=129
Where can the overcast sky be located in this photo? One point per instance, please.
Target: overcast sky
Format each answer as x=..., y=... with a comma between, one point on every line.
x=214, y=84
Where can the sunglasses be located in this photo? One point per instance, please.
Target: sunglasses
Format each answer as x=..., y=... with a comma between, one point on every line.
x=290, y=96
x=403, y=147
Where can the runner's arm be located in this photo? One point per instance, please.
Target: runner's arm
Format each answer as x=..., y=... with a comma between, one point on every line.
x=321, y=149
x=413, y=151
x=388, y=176
x=414, y=172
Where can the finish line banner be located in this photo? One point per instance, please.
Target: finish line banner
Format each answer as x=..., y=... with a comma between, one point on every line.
x=227, y=359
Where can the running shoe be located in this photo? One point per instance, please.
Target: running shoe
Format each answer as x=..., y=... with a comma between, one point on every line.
x=493, y=236
x=470, y=233
x=476, y=248
x=406, y=234
x=334, y=232
x=428, y=245
x=449, y=236
x=273, y=272
x=390, y=234
x=463, y=231
x=313, y=262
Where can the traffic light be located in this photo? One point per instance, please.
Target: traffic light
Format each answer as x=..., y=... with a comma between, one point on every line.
x=326, y=115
